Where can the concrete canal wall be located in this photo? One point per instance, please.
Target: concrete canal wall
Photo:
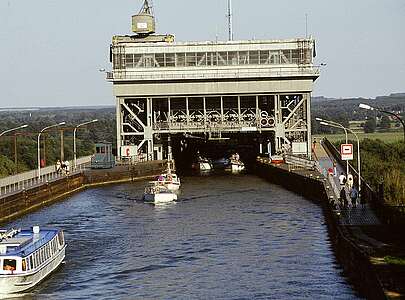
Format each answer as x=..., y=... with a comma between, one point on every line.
x=22, y=202
x=312, y=185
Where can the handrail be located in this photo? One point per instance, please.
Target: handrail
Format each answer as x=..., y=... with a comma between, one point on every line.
x=300, y=161
x=27, y=179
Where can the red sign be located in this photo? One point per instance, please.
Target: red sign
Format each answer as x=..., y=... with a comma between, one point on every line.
x=346, y=150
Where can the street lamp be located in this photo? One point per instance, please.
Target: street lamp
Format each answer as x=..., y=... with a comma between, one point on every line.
x=368, y=107
x=329, y=123
x=13, y=129
x=74, y=140
x=337, y=125
x=39, y=151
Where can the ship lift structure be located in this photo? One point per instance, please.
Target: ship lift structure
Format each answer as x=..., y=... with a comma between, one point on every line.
x=210, y=89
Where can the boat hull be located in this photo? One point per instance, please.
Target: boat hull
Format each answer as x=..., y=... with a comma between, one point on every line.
x=10, y=284
x=160, y=198
x=173, y=186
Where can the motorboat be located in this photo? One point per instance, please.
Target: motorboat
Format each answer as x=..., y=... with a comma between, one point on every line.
x=277, y=159
x=157, y=192
x=169, y=179
x=28, y=256
x=235, y=164
x=202, y=164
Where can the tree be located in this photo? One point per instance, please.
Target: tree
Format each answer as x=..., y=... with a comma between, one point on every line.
x=385, y=123
x=370, y=125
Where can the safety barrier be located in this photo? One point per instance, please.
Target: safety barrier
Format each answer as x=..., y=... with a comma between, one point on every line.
x=300, y=162
x=21, y=181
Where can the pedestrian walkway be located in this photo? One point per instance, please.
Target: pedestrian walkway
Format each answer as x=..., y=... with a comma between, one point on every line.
x=349, y=215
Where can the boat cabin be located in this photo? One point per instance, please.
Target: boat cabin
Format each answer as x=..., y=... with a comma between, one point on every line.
x=24, y=251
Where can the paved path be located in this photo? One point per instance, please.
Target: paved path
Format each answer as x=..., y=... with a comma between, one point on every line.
x=350, y=216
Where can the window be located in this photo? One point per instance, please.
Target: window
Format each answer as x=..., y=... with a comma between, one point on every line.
x=232, y=58
x=274, y=57
x=180, y=59
x=60, y=237
x=202, y=59
x=254, y=57
x=170, y=60
x=222, y=58
x=264, y=57
x=9, y=265
x=24, y=265
x=160, y=59
x=129, y=60
x=138, y=62
x=191, y=59
x=31, y=263
x=243, y=58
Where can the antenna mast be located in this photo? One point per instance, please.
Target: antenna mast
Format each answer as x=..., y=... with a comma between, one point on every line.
x=230, y=24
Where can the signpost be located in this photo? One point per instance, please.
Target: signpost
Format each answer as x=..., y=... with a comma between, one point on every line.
x=346, y=150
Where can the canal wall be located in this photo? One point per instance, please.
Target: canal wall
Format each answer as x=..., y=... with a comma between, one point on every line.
x=22, y=202
x=312, y=185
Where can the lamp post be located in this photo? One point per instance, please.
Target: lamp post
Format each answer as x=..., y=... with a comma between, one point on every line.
x=368, y=107
x=328, y=123
x=13, y=129
x=39, y=145
x=337, y=125
x=74, y=140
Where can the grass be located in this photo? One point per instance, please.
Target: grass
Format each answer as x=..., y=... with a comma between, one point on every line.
x=386, y=137
x=394, y=260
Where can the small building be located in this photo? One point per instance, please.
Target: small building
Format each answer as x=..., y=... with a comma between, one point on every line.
x=103, y=158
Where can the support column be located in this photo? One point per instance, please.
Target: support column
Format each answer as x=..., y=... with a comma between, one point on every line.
x=187, y=112
x=257, y=110
x=118, y=116
x=168, y=113
x=239, y=111
x=222, y=110
x=149, y=128
x=308, y=121
x=205, y=113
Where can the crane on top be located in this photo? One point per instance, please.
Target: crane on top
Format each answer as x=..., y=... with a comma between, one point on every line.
x=143, y=23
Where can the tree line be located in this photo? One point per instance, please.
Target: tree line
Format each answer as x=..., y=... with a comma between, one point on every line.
x=18, y=150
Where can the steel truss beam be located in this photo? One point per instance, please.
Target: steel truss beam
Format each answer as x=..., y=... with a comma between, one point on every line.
x=141, y=120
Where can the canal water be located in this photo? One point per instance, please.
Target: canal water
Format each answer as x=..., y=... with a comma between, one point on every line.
x=229, y=237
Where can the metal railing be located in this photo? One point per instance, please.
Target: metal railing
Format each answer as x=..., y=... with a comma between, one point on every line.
x=21, y=181
x=211, y=73
x=301, y=162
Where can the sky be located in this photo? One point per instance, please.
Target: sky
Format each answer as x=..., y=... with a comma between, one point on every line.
x=51, y=51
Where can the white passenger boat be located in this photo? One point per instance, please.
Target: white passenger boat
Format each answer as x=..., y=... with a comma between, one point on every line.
x=170, y=179
x=28, y=256
x=157, y=192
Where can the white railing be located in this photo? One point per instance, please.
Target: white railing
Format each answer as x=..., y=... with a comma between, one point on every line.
x=297, y=161
x=29, y=179
x=212, y=73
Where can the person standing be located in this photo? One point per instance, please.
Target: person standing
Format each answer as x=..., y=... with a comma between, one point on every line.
x=343, y=198
x=67, y=167
x=350, y=181
x=334, y=169
x=354, y=194
x=342, y=179
x=58, y=167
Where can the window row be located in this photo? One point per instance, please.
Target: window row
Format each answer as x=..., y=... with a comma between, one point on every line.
x=41, y=255
x=199, y=59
